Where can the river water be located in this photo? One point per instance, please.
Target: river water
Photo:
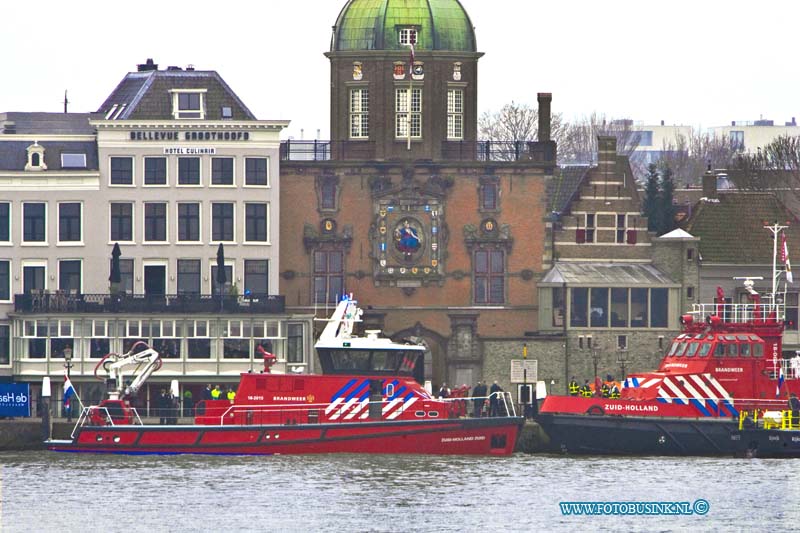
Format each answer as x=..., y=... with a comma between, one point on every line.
x=45, y=491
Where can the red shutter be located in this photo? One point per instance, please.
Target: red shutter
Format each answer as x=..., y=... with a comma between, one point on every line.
x=631, y=236
x=580, y=236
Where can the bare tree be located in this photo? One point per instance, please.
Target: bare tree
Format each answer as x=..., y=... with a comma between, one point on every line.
x=776, y=167
x=514, y=124
x=690, y=157
x=579, y=142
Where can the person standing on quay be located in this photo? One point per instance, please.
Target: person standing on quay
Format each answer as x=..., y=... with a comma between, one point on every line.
x=478, y=399
x=494, y=399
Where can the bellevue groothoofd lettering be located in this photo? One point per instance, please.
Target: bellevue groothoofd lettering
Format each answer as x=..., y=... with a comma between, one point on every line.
x=190, y=135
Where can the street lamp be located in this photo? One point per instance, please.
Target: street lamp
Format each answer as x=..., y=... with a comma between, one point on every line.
x=68, y=365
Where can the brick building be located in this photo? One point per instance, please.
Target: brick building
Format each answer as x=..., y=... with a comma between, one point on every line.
x=441, y=238
x=612, y=298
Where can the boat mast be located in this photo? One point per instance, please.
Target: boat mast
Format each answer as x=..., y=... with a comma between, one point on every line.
x=776, y=230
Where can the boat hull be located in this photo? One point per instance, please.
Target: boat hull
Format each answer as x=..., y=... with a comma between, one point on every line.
x=627, y=435
x=468, y=436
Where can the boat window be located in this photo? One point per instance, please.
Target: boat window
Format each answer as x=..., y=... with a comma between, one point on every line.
x=419, y=414
x=350, y=359
x=730, y=337
x=433, y=414
x=699, y=337
x=754, y=337
x=692, y=349
x=681, y=349
x=758, y=350
x=732, y=350
x=744, y=349
x=743, y=337
x=409, y=361
x=674, y=348
x=705, y=348
x=719, y=350
x=386, y=360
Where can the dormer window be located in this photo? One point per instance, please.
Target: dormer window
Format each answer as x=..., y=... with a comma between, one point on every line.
x=227, y=113
x=188, y=104
x=408, y=36
x=35, y=157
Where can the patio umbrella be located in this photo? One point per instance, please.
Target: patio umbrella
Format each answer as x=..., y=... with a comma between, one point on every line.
x=116, y=274
x=222, y=277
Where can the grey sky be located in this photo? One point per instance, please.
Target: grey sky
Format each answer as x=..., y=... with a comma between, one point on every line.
x=698, y=62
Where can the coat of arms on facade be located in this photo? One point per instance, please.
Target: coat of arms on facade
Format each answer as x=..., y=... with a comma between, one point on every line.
x=418, y=71
x=399, y=70
x=409, y=235
x=457, y=71
x=358, y=73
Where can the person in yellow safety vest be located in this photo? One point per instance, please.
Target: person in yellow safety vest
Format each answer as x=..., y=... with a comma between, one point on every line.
x=573, y=387
x=586, y=390
x=231, y=394
x=614, y=392
x=215, y=393
x=604, y=390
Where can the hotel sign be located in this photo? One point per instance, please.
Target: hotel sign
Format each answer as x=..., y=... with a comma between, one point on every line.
x=190, y=135
x=186, y=150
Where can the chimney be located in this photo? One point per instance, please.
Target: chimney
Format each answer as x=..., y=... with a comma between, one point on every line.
x=709, y=183
x=9, y=127
x=662, y=122
x=606, y=157
x=147, y=65
x=545, y=99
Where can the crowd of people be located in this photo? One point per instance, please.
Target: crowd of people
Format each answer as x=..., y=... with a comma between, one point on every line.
x=485, y=401
x=608, y=388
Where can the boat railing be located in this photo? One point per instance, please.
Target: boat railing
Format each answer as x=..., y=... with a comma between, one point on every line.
x=504, y=402
x=96, y=412
x=740, y=312
x=761, y=419
x=319, y=412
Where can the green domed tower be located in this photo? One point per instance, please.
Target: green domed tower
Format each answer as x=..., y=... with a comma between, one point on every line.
x=388, y=102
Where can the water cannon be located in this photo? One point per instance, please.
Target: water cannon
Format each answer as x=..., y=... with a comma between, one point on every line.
x=269, y=358
x=687, y=319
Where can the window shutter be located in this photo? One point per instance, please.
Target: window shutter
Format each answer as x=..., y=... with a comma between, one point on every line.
x=631, y=236
x=580, y=236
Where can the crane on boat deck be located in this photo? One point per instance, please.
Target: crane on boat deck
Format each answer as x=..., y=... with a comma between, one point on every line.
x=146, y=359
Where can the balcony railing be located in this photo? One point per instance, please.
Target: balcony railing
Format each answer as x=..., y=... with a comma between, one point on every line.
x=541, y=152
x=59, y=302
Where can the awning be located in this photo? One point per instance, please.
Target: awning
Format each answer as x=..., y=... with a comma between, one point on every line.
x=607, y=275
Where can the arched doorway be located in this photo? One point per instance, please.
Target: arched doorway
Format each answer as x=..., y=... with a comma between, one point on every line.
x=435, y=367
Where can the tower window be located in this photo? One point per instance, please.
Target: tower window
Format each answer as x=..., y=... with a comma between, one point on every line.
x=408, y=113
x=455, y=114
x=408, y=36
x=359, y=113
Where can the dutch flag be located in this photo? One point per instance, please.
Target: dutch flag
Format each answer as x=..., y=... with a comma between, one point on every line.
x=780, y=382
x=69, y=390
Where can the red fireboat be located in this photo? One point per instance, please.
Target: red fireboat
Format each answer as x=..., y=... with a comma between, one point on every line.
x=365, y=401
x=721, y=389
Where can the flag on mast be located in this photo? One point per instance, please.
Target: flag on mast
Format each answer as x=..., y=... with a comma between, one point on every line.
x=780, y=382
x=785, y=258
x=69, y=391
